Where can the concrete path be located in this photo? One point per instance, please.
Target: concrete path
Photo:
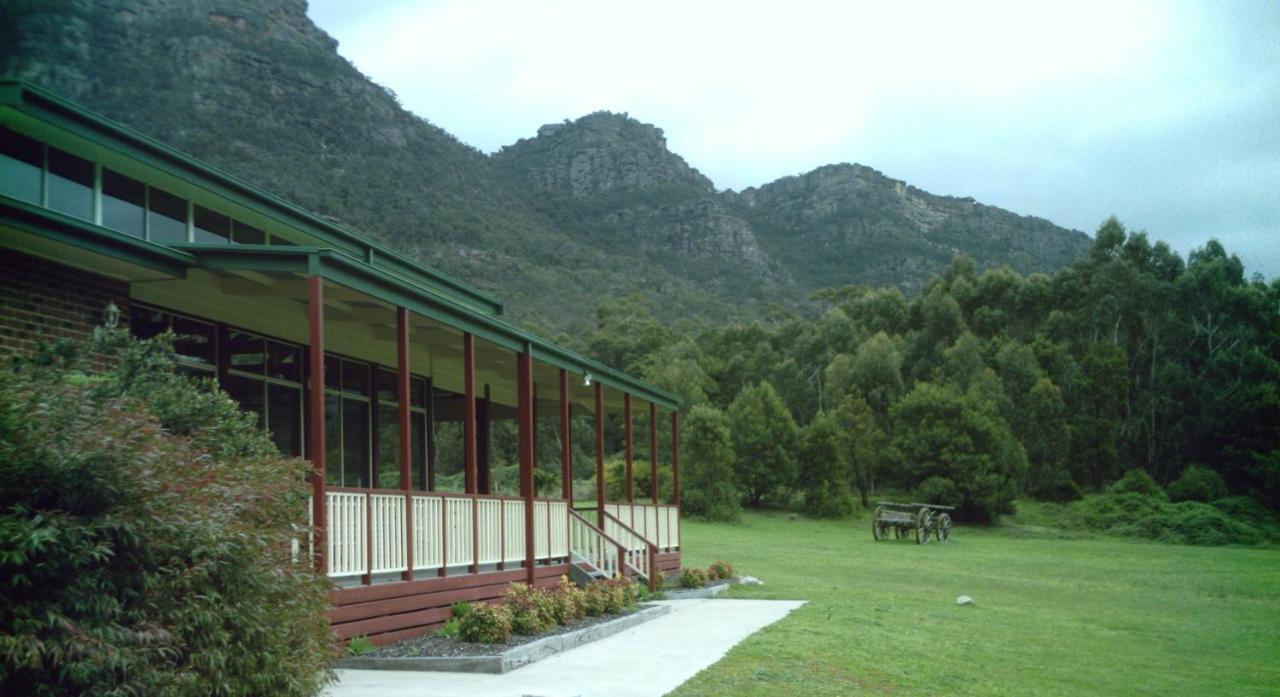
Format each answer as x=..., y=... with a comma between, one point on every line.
x=646, y=661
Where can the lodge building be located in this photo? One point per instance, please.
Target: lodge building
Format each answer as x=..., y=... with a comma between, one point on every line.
x=100, y=224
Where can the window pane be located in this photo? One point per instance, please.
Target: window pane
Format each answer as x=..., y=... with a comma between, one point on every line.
x=145, y=323
x=21, y=159
x=123, y=200
x=248, y=392
x=387, y=389
x=388, y=446
x=333, y=440
x=245, y=352
x=70, y=184
x=332, y=373
x=418, y=387
x=168, y=217
x=194, y=340
x=248, y=234
x=355, y=442
x=211, y=227
x=284, y=418
x=284, y=361
x=355, y=377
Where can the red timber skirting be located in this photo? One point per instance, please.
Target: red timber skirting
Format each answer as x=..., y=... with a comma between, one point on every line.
x=668, y=563
x=389, y=612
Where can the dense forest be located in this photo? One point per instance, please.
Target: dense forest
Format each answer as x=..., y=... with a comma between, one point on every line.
x=988, y=387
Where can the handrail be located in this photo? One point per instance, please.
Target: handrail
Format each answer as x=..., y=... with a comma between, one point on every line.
x=591, y=543
x=641, y=557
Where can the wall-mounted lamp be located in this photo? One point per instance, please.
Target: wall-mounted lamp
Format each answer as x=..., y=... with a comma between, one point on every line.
x=111, y=315
x=586, y=380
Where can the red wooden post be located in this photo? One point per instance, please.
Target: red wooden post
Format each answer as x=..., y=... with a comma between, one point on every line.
x=484, y=475
x=475, y=534
x=600, y=455
x=524, y=392
x=406, y=434
x=653, y=448
x=626, y=417
x=675, y=458
x=566, y=445
x=315, y=445
x=469, y=409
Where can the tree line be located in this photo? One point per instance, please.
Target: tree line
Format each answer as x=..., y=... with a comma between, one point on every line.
x=987, y=387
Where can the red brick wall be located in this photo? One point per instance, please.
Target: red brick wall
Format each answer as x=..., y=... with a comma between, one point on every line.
x=42, y=301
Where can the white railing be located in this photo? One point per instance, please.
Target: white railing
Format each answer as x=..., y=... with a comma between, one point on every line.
x=368, y=531
x=634, y=546
x=588, y=543
x=657, y=524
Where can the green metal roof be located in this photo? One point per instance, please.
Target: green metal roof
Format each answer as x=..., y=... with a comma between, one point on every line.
x=343, y=256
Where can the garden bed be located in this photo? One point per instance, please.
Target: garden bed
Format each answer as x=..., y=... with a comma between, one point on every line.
x=436, y=653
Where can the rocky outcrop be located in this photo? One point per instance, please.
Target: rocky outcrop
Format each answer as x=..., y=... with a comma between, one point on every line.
x=600, y=153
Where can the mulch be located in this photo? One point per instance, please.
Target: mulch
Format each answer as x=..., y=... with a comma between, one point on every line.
x=451, y=647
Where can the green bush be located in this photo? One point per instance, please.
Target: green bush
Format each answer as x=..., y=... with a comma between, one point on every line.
x=939, y=490
x=460, y=610
x=596, y=598
x=693, y=578
x=625, y=593
x=720, y=570
x=146, y=529
x=1137, y=481
x=486, y=624
x=1058, y=488
x=659, y=579
x=1198, y=484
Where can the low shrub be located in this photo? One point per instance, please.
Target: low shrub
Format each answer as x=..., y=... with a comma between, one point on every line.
x=460, y=610
x=595, y=599
x=720, y=571
x=693, y=578
x=570, y=599
x=1198, y=484
x=1137, y=481
x=485, y=624
x=532, y=609
x=359, y=646
x=1188, y=522
x=452, y=627
x=659, y=579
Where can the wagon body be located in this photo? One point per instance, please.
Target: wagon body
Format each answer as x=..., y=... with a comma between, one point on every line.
x=921, y=520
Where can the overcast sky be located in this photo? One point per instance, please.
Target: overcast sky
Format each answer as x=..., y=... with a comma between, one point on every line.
x=1164, y=114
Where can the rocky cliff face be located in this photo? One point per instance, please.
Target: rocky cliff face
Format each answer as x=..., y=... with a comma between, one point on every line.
x=583, y=210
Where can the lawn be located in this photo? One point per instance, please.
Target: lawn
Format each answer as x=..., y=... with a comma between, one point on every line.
x=1052, y=616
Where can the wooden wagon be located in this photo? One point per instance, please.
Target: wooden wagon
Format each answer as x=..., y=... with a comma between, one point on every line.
x=921, y=520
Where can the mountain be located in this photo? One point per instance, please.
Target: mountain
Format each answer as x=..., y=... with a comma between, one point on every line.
x=584, y=210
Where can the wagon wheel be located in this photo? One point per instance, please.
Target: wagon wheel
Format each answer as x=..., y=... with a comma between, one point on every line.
x=943, y=526
x=877, y=528
x=924, y=525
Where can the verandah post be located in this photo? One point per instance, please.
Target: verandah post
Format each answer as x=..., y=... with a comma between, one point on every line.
x=566, y=445
x=524, y=394
x=469, y=410
x=600, y=455
x=626, y=418
x=675, y=458
x=653, y=449
x=315, y=444
x=406, y=434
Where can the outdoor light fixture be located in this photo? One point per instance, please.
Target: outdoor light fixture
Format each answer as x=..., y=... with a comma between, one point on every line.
x=586, y=380
x=111, y=315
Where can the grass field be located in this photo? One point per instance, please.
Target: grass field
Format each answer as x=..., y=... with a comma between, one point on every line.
x=1052, y=616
